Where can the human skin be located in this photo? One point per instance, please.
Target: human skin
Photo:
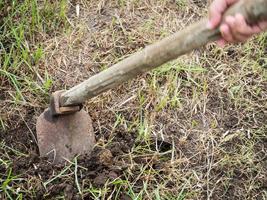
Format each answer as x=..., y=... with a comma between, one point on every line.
x=234, y=29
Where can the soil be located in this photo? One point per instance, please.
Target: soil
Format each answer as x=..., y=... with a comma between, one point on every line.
x=97, y=168
x=102, y=165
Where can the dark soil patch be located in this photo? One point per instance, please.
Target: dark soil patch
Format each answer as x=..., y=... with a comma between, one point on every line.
x=95, y=169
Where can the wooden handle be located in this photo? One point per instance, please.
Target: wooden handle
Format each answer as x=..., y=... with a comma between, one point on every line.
x=159, y=53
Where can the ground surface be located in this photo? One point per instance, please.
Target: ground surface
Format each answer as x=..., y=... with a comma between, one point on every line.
x=193, y=129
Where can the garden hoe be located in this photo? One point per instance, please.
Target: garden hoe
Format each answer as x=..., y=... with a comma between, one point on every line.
x=65, y=130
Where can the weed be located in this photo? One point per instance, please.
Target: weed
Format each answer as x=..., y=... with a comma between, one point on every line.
x=24, y=26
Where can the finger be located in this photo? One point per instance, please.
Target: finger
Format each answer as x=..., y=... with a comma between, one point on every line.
x=233, y=25
x=214, y=20
x=263, y=25
x=217, y=8
x=215, y=12
x=241, y=27
x=240, y=38
x=244, y=31
x=226, y=33
x=221, y=43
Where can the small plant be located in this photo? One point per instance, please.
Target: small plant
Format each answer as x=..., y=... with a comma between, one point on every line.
x=24, y=25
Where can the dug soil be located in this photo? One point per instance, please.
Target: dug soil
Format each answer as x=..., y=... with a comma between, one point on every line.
x=103, y=165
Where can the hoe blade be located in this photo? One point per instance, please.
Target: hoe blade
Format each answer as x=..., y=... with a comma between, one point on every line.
x=65, y=136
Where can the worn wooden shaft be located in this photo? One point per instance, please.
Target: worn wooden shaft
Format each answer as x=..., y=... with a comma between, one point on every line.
x=152, y=56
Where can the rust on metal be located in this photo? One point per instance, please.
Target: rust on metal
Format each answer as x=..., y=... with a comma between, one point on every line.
x=56, y=109
x=64, y=136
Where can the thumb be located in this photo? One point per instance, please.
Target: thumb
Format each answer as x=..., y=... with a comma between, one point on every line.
x=216, y=10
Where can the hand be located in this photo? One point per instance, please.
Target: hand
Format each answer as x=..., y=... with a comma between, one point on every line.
x=235, y=28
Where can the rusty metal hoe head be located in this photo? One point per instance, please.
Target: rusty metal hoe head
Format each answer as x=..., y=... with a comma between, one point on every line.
x=62, y=137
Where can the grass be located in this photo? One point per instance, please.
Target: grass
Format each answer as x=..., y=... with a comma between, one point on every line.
x=24, y=27
x=194, y=128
